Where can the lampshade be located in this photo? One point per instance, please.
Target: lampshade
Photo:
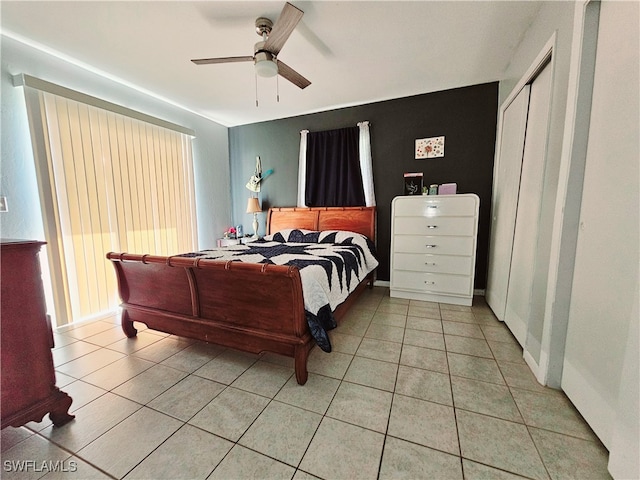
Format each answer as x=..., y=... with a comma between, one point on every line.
x=253, y=206
x=266, y=67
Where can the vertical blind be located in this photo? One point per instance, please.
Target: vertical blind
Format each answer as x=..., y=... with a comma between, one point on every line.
x=119, y=184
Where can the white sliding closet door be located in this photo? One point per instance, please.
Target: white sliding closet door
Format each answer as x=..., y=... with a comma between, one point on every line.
x=506, y=185
x=519, y=307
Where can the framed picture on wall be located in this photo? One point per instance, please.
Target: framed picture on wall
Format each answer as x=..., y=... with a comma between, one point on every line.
x=413, y=183
x=430, y=147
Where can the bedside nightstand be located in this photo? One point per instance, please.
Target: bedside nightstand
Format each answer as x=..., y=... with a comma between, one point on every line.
x=225, y=242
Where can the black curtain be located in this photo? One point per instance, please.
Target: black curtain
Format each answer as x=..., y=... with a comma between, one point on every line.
x=333, y=171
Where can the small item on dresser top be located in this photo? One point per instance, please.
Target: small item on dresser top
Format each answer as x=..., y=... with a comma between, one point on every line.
x=433, y=189
x=413, y=183
x=448, y=189
x=230, y=233
x=240, y=231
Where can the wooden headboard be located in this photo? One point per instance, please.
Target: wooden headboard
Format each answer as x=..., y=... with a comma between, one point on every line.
x=354, y=219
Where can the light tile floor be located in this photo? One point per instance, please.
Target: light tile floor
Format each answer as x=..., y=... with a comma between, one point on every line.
x=412, y=390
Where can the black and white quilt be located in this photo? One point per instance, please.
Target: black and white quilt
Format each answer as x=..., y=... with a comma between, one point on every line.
x=331, y=263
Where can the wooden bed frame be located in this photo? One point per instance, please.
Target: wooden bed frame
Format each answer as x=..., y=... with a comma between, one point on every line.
x=250, y=307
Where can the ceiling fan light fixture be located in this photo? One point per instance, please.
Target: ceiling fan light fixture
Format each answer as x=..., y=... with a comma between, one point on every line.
x=265, y=65
x=266, y=51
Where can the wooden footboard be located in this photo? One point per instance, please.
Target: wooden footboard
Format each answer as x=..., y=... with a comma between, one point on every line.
x=247, y=306
x=250, y=307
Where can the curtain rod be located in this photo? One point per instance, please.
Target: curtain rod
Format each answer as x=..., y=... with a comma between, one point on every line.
x=359, y=124
x=24, y=80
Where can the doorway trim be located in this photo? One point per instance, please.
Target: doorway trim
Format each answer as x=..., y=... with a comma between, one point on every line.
x=536, y=67
x=569, y=195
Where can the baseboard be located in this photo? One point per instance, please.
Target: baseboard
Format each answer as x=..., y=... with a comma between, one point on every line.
x=387, y=283
x=595, y=408
x=93, y=318
x=535, y=368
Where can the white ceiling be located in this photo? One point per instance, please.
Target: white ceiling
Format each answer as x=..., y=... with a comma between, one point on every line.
x=352, y=52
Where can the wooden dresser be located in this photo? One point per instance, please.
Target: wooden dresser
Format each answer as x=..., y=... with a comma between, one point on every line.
x=29, y=389
x=433, y=247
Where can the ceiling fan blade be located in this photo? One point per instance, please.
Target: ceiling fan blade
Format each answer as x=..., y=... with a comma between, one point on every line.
x=290, y=74
x=286, y=22
x=207, y=61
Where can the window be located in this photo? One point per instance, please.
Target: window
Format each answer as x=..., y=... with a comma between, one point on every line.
x=109, y=182
x=335, y=168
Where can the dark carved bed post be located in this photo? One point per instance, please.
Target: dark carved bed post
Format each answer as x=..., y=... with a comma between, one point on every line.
x=127, y=325
x=300, y=360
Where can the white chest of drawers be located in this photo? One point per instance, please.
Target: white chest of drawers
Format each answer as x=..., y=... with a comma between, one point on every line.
x=433, y=247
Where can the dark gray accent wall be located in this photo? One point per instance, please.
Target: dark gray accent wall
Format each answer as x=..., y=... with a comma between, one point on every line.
x=467, y=117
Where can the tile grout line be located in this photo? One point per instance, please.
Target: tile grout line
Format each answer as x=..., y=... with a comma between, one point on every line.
x=75, y=454
x=453, y=402
x=324, y=415
x=342, y=381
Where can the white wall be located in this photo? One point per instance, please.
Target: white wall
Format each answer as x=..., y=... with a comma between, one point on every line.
x=17, y=175
x=604, y=311
x=625, y=439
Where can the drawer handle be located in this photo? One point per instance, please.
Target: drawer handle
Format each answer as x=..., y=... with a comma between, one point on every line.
x=431, y=246
x=433, y=264
x=432, y=226
x=432, y=206
x=429, y=283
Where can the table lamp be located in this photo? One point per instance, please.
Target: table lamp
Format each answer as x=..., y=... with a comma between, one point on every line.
x=253, y=206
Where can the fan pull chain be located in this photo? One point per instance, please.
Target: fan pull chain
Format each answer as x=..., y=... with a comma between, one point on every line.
x=277, y=89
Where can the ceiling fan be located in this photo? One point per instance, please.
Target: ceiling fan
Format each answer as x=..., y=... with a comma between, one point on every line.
x=266, y=52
